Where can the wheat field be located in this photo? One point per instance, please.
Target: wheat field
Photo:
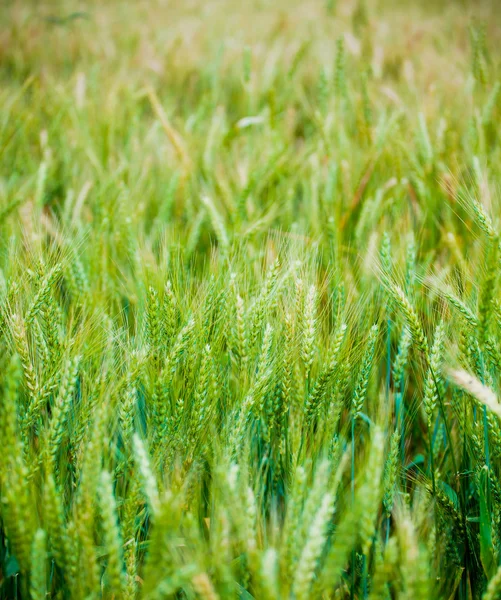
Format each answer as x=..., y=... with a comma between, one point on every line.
x=250, y=300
